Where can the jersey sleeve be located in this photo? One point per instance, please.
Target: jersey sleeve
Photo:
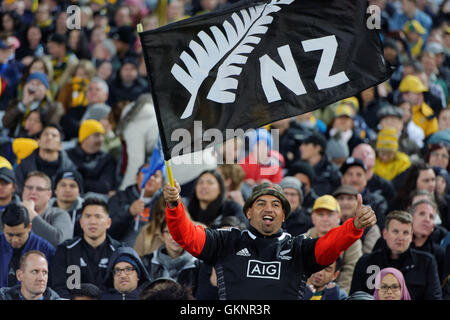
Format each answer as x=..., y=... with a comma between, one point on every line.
x=189, y=236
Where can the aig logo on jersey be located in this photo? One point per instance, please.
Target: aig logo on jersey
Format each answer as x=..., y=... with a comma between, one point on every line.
x=265, y=270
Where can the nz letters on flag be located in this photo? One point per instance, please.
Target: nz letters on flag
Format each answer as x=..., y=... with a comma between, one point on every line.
x=254, y=63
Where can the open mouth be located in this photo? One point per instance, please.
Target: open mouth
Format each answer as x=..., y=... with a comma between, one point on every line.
x=268, y=219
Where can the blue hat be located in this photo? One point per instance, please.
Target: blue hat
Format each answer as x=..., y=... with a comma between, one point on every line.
x=130, y=260
x=40, y=76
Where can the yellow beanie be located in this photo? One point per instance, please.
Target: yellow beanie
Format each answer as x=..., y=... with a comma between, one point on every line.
x=5, y=163
x=387, y=139
x=88, y=127
x=23, y=147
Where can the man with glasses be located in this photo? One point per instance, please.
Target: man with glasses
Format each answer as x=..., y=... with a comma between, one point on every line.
x=50, y=223
x=85, y=259
x=126, y=276
x=419, y=268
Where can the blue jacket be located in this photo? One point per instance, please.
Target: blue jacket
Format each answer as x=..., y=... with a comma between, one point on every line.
x=34, y=242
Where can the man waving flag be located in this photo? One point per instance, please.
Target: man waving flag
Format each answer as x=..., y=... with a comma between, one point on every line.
x=256, y=62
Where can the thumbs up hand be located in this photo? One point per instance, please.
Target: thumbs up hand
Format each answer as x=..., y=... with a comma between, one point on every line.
x=365, y=216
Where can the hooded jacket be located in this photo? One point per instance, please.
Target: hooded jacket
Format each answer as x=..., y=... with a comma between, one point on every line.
x=108, y=290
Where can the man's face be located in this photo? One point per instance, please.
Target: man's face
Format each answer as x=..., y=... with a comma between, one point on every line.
x=95, y=93
x=398, y=236
x=413, y=97
x=293, y=197
x=444, y=118
x=324, y=220
x=365, y=153
x=266, y=214
x=128, y=73
x=321, y=278
x=50, y=139
x=356, y=177
x=6, y=190
x=93, y=143
x=172, y=247
x=426, y=180
x=125, y=277
x=348, y=204
x=18, y=235
x=67, y=190
x=94, y=222
x=423, y=220
x=33, y=276
x=37, y=190
x=309, y=150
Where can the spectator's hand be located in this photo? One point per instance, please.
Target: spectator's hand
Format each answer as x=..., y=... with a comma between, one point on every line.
x=330, y=285
x=30, y=206
x=172, y=194
x=28, y=96
x=365, y=216
x=236, y=196
x=136, y=207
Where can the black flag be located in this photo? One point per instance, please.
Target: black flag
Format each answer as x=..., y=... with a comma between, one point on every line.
x=254, y=63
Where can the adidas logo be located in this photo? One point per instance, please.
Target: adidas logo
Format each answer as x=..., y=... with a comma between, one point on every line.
x=244, y=252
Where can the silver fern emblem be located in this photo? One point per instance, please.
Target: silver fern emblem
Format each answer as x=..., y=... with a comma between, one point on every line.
x=238, y=42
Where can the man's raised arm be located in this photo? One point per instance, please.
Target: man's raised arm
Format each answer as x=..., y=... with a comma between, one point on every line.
x=189, y=236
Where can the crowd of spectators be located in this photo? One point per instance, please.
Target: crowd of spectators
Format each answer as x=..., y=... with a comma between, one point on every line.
x=78, y=127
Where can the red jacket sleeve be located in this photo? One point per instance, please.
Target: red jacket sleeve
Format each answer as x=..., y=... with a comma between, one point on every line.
x=330, y=246
x=189, y=236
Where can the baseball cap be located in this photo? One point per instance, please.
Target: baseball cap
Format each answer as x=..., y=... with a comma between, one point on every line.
x=345, y=189
x=7, y=175
x=412, y=83
x=327, y=202
x=350, y=162
x=270, y=189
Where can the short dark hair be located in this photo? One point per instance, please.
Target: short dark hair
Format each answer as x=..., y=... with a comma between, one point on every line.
x=95, y=201
x=53, y=125
x=166, y=289
x=15, y=214
x=86, y=290
x=401, y=216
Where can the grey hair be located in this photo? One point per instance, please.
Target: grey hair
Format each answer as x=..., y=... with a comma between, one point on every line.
x=101, y=82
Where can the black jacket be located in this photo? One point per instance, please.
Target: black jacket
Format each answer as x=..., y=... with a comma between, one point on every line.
x=437, y=251
x=378, y=204
x=419, y=269
x=298, y=222
x=385, y=186
x=76, y=255
x=13, y=293
x=108, y=290
x=327, y=177
x=98, y=170
x=122, y=222
x=34, y=163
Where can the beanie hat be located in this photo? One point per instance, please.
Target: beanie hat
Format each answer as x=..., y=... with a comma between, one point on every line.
x=336, y=149
x=301, y=166
x=293, y=183
x=39, y=76
x=130, y=260
x=387, y=139
x=97, y=111
x=5, y=163
x=23, y=147
x=270, y=189
x=88, y=127
x=70, y=174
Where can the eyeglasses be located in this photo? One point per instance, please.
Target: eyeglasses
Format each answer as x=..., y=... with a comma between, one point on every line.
x=385, y=288
x=439, y=155
x=127, y=271
x=38, y=189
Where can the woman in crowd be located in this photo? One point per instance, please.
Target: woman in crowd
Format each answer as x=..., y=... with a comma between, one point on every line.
x=390, y=285
x=208, y=204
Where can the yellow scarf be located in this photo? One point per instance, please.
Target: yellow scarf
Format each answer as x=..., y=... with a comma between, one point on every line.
x=79, y=86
